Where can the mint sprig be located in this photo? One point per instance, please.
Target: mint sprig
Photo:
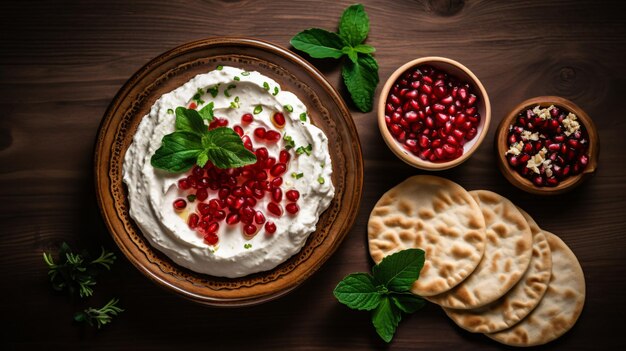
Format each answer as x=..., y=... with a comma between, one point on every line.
x=386, y=291
x=360, y=71
x=194, y=144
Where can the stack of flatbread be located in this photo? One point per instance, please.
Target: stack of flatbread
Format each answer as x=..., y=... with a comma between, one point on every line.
x=488, y=264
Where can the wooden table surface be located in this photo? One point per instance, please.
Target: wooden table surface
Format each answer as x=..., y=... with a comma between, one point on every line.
x=61, y=63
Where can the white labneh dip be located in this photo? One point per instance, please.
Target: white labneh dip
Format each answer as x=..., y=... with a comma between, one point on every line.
x=151, y=191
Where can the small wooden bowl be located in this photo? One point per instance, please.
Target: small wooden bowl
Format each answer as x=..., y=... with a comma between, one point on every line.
x=569, y=183
x=464, y=74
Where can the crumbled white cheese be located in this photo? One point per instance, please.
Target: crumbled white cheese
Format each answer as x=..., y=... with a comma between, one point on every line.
x=547, y=166
x=527, y=135
x=543, y=113
x=516, y=148
x=571, y=124
x=543, y=151
x=535, y=162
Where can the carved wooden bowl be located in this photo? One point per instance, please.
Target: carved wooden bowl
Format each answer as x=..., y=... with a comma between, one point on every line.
x=169, y=71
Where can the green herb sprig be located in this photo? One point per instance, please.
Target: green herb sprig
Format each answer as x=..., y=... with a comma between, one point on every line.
x=76, y=272
x=386, y=291
x=194, y=144
x=99, y=316
x=360, y=71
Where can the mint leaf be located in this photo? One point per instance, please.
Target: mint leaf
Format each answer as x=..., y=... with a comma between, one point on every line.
x=358, y=291
x=352, y=55
x=354, y=25
x=178, y=152
x=188, y=120
x=386, y=318
x=361, y=79
x=207, y=112
x=364, y=49
x=400, y=270
x=408, y=303
x=225, y=148
x=319, y=43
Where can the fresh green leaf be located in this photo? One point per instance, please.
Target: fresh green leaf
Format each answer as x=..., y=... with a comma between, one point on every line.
x=105, y=259
x=386, y=318
x=207, y=112
x=358, y=291
x=99, y=317
x=225, y=148
x=408, y=303
x=361, y=79
x=202, y=159
x=352, y=55
x=354, y=25
x=188, y=120
x=364, y=49
x=178, y=152
x=319, y=43
x=400, y=270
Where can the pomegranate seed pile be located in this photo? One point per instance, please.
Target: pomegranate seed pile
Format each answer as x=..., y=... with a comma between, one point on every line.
x=230, y=196
x=432, y=114
x=547, y=145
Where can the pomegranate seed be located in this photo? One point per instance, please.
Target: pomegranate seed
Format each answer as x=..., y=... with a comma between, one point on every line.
x=261, y=175
x=202, y=194
x=513, y=161
x=223, y=193
x=219, y=215
x=276, y=182
x=213, y=227
x=411, y=94
x=192, y=220
x=410, y=117
x=250, y=229
x=292, y=208
x=292, y=195
x=261, y=153
x=272, y=136
x=192, y=106
x=198, y=171
x=247, y=118
x=260, y=133
x=278, y=169
x=270, y=227
x=183, y=184
x=275, y=209
x=277, y=194
x=278, y=119
x=232, y=218
x=284, y=156
x=238, y=130
x=203, y=182
x=211, y=239
x=259, y=217
x=271, y=161
x=203, y=208
x=247, y=143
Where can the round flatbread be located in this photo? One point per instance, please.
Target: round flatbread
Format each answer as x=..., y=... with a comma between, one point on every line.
x=437, y=216
x=507, y=255
x=520, y=300
x=559, y=308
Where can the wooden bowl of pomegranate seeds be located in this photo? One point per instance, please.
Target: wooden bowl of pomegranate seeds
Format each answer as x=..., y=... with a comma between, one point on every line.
x=433, y=113
x=547, y=145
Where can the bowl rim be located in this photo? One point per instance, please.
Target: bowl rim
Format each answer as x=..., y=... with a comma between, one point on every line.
x=413, y=160
x=525, y=184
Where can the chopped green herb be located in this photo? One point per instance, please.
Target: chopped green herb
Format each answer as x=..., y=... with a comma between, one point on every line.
x=247, y=246
x=266, y=86
x=245, y=74
x=303, y=116
x=235, y=103
x=304, y=150
x=237, y=78
x=288, y=108
x=258, y=109
x=197, y=97
x=214, y=90
x=323, y=164
x=297, y=175
x=220, y=67
x=275, y=91
x=321, y=180
x=289, y=143
x=191, y=198
x=227, y=92
x=170, y=111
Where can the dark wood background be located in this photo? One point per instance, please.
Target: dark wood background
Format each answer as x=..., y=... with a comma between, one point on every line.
x=61, y=62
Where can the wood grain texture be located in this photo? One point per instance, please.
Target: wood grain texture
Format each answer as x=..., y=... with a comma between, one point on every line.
x=62, y=62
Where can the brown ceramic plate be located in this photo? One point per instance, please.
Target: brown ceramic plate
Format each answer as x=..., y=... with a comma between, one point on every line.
x=169, y=71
